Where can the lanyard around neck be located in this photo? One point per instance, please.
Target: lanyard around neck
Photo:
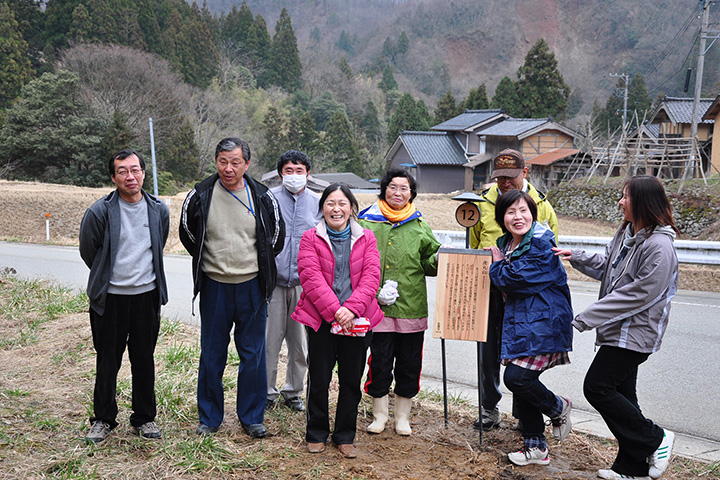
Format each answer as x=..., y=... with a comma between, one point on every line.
x=249, y=205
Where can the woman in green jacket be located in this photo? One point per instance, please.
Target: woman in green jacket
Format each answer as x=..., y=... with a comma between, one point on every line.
x=408, y=253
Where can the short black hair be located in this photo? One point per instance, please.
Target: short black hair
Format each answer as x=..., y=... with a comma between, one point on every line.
x=293, y=156
x=345, y=190
x=122, y=155
x=395, y=172
x=506, y=200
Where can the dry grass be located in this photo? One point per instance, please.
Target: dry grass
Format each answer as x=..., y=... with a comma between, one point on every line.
x=46, y=381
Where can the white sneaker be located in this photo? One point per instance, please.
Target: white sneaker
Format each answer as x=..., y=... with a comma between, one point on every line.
x=612, y=474
x=528, y=456
x=562, y=424
x=660, y=459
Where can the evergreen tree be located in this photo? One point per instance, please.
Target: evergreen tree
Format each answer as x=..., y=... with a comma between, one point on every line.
x=276, y=139
x=263, y=52
x=609, y=119
x=370, y=123
x=542, y=91
x=81, y=25
x=307, y=137
x=239, y=26
x=340, y=144
x=50, y=113
x=575, y=103
x=117, y=136
x=446, y=108
x=403, y=44
x=408, y=115
x=148, y=22
x=477, y=99
x=285, y=67
x=638, y=98
x=30, y=19
x=388, y=49
x=58, y=18
x=506, y=97
x=388, y=82
x=180, y=155
x=345, y=42
x=345, y=68
x=15, y=67
x=323, y=108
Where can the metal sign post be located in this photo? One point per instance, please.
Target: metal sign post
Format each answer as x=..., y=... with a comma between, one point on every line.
x=467, y=215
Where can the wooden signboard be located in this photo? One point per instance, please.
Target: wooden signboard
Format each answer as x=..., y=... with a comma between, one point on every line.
x=463, y=294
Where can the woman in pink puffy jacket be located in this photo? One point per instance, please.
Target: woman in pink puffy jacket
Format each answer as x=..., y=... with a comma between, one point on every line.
x=339, y=268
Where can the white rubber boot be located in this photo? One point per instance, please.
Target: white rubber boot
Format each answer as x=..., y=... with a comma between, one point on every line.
x=380, y=415
x=402, y=415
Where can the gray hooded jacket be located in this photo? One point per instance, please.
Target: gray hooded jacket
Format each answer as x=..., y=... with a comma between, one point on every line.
x=634, y=301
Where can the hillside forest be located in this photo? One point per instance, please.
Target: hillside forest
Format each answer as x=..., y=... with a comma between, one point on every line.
x=338, y=79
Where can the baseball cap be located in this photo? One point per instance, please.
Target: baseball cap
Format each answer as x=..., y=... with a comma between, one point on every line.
x=508, y=163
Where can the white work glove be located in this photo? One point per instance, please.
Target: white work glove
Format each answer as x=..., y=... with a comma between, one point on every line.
x=388, y=293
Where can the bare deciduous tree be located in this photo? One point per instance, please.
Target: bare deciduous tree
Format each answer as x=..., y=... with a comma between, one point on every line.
x=137, y=85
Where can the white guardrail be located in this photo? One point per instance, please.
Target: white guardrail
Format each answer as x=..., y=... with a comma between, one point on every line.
x=688, y=251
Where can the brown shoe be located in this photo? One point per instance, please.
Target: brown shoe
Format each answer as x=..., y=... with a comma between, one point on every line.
x=315, y=447
x=348, y=450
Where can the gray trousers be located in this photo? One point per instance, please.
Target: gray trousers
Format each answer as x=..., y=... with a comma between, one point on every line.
x=281, y=327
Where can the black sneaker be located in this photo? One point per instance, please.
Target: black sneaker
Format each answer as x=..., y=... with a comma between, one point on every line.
x=99, y=430
x=270, y=403
x=148, y=430
x=295, y=404
x=205, y=431
x=490, y=419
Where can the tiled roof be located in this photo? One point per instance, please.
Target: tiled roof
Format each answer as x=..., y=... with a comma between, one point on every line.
x=345, y=177
x=679, y=110
x=433, y=148
x=467, y=120
x=513, y=127
x=548, y=158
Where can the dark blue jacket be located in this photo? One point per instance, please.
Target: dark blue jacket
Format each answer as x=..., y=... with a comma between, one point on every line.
x=538, y=311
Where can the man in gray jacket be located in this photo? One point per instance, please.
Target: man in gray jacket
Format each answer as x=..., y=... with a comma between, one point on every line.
x=299, y=208
x=122, y=237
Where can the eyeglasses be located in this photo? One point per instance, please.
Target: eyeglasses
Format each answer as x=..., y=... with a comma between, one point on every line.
x=225, y=163
x=395, y=188
x=123, y=172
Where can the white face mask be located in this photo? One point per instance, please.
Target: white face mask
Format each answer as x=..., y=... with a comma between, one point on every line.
x=294, y=183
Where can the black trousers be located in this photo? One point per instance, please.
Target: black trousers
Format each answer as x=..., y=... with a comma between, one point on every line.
x=324, y=351
x=401, y=352
x=610, y=388
x=490, y=381
x=131, y=320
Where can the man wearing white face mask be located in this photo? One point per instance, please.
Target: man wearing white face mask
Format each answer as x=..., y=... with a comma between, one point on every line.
x=299, y=208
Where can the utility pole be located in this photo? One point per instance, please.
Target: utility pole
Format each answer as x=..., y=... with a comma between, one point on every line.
x=700, y=66
x=152, y=151
x=626, y=79
x=698, y=88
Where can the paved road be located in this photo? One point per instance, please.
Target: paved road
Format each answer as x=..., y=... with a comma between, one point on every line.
x=678, y=386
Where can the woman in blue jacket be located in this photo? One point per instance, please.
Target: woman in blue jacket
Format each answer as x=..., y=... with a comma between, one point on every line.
x=537, y=331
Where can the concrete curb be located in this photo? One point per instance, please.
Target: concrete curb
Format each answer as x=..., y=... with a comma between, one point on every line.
x=686, y=446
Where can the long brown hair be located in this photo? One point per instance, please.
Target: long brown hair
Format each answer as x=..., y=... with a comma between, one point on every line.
x=649, y=202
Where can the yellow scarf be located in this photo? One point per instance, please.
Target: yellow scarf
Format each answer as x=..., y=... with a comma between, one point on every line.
x=393, y=215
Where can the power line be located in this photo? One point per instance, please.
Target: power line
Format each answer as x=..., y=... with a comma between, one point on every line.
x=682, y=66
x=674, y=43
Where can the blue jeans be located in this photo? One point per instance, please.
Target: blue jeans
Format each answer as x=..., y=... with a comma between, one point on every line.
x=532, y=399
x=223, y=306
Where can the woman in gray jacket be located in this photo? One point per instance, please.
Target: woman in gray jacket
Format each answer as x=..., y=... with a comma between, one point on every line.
x=639, y=277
